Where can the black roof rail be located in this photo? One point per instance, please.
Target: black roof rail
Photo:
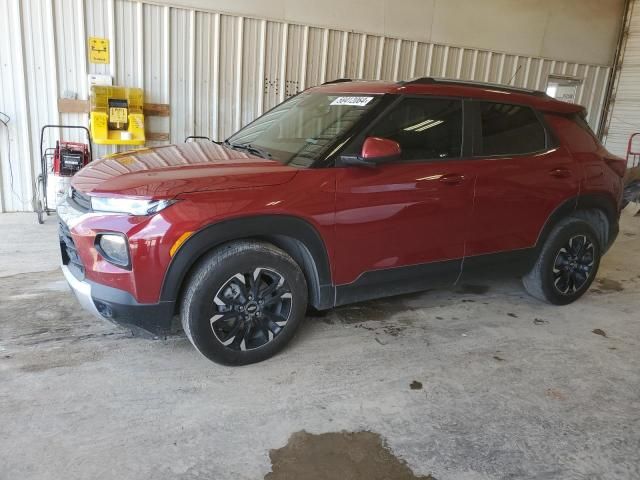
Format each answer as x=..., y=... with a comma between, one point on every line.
x=471, y=83
x=337, y=80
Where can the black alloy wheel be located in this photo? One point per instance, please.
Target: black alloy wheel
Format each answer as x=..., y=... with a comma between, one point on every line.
x=243, y=302
x=567, y=263
x=573, y=264
x=251, y=309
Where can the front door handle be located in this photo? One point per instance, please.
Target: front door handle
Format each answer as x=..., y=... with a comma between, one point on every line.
x=452, y=179
x=560, y=173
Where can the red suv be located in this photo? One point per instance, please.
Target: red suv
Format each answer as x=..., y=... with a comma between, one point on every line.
x=345, y=192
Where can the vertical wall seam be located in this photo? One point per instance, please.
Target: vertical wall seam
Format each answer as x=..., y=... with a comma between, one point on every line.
x=343, y=54
x=192, y=72
x=140, y=43
x=166, y=73
x=414, y=57
x=238, y=73
x=396, y=59
x=26, y=127
x=325, y=53
x=262, y=47
x=111, y=14
x=429, y=60
x=283, y=61
x=459, y=64
x=303, y=62
x=380, y=57
x=474, y=64
x=216, y=77
x=363, y=54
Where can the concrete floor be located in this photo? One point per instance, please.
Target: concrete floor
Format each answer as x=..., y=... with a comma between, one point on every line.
x=482, y=382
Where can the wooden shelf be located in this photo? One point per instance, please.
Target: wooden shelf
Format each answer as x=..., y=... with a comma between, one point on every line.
x=68, y=105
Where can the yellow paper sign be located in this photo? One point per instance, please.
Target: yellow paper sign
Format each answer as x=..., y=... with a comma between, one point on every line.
x=98, y=50
x=117, y=115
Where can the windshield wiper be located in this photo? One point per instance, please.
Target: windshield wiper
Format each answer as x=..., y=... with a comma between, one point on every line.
x=248, y=148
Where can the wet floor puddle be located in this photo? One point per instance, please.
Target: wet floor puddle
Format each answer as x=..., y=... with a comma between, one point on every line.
x=338, y=455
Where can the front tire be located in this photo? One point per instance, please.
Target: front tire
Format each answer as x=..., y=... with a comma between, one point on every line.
x=567, y=265
x=244, y=302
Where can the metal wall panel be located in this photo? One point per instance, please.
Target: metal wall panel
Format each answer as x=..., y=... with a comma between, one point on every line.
x=624, y=112
x=156, y=53
x=217, y=71
x=16, y=173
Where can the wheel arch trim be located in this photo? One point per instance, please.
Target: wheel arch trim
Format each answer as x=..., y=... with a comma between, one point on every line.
x=292, y=234
x=588, y=201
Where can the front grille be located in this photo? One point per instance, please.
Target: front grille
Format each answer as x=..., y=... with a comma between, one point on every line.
x=69, y=251
x=80, y=200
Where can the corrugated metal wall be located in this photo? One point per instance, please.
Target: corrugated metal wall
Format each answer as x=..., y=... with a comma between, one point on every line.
x=624, y=111
x=216, y=71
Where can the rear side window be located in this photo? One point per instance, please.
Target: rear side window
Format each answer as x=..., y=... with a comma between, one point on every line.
x=425, y=128
x=509, y=130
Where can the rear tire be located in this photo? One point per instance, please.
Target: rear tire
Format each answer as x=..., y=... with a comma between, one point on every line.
x=244, y=302
x=567, y=265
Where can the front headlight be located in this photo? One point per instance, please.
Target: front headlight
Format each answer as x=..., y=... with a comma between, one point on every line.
x=131, y=206
x=114, y=248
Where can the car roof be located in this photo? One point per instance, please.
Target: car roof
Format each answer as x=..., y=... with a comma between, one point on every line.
x=453, y=88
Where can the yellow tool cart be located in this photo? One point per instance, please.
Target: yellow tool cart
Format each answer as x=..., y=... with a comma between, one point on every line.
x=116, y=115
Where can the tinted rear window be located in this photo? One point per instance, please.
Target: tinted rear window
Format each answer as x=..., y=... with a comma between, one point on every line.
x=509, y=130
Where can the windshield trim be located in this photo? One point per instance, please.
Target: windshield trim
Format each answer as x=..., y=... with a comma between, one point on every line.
x=334, y=146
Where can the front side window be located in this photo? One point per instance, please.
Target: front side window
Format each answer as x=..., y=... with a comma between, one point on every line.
x=300, y=130
x=425, y=128
x=509, y=130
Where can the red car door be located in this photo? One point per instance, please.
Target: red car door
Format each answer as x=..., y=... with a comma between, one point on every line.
x=522, y=177
x=401, y=226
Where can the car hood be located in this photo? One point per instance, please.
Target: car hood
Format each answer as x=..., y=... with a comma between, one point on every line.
x=164, y=172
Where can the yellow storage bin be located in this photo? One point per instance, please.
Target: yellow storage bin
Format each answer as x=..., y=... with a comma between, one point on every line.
x=116, y=115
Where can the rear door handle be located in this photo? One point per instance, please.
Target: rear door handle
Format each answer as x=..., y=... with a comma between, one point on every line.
x=452, y=179
x=560, y=173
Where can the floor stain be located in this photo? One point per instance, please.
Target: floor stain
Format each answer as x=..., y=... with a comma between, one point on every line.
x=392, y=330
x=362, y=312
x=338, y=455
x=608, y=285
x=599, y=331
x=473, y=289
x=415, y=385
x=555, y=394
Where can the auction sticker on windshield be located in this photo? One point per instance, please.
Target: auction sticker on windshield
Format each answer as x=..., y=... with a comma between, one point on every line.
x=353, y=101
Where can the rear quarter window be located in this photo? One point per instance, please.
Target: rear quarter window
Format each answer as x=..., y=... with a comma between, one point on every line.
x=507, y=129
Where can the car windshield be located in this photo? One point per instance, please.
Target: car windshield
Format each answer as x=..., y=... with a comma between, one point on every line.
x=298, y=131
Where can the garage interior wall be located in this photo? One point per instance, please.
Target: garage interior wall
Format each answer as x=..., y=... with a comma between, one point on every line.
x=624, y=110
x=218, y=71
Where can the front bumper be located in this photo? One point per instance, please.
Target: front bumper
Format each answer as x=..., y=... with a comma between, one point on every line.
x=118, y=306
x=82, y=291
x=103, y=301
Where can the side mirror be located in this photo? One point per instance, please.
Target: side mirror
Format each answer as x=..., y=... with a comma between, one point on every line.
x=375, y=150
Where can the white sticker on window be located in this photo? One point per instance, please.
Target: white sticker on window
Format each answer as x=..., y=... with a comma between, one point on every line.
x=353, y=101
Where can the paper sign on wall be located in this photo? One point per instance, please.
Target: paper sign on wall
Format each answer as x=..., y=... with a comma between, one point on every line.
x=353, y=101
x=98, y=50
